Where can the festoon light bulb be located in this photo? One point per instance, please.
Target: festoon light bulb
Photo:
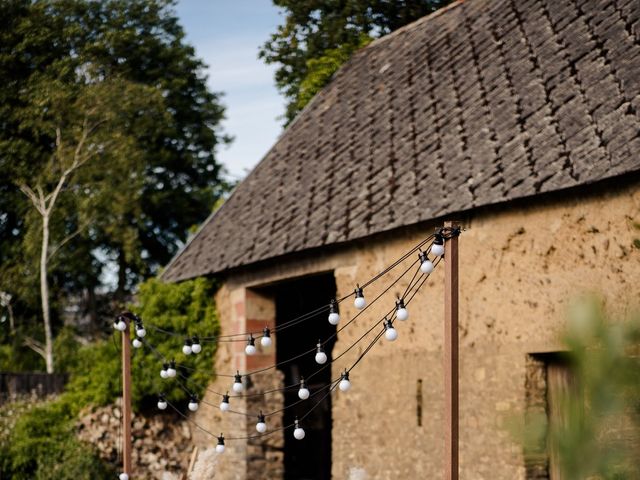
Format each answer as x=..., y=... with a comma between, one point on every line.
x=344, y=384
x=196, y=347
x=334, y=313
x=163, y=372
x=237, y=383
x=437, y=248
x=224, y=404
x=261, y=426
x=171, y=371
x=359, y=302
x=220, y=445
x=186, y=348
x=401, y=311
x=140, y=331
x=120, y=324
x=321, y=357
x=298, y=431
x=266, y=341
x=426, y=265
x=123, y=476
x=162, y=402
x=390, y=333
x=136, y=343
x=193, y=403
x=303, y=392
x=250, y=349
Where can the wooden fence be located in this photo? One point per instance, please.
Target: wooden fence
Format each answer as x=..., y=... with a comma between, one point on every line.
x=14, y=385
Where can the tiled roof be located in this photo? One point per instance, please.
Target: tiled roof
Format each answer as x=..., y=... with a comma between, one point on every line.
x=484, y=102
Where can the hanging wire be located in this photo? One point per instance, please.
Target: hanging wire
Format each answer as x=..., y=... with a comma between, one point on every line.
x=306, y=316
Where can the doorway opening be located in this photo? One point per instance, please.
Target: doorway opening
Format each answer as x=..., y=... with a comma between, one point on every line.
x=309, y=459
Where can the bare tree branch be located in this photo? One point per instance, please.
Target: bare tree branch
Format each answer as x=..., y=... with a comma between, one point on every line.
x=66, y=239
x=35, y=345
x=31, y=195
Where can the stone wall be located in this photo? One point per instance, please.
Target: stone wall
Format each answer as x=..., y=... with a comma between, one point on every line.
x=520, y=265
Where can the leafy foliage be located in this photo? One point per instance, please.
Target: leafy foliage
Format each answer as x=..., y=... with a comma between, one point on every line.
x=319, y=35
x=154, y=174
x=599, y=434
x=42, y=443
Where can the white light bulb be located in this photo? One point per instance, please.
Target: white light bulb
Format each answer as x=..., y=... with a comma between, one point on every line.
x=334, y=315
x=164, y=373
x=426, y=266
x=237, y=384
x=360, y=303
x=195, y=345
x=186, y=348
x=224, y=406
x=123, y=476
x=266, y=342
x=298, y=431
x=141, y=332
x=171, y=371
x=391, y=334
x=344, y=384
x=121, y=326
x=321, y=358
x=162, y=405
x=261, y=426
x=401, y=311
x=193, y=404
x=136, y=343
x=437, y=249
x=303, y=392
x=250, y=349
x=220, y=445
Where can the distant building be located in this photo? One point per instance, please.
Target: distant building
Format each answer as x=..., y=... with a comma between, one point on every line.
x=518, y=118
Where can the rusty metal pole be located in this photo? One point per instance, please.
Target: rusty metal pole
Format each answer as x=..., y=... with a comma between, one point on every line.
x=126, y=397
x=451, y=354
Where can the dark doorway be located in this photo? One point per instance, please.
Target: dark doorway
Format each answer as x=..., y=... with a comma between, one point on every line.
x=309, y=459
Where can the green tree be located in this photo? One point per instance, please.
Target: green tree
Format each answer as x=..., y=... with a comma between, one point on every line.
x=131, y=206
x=318, y=36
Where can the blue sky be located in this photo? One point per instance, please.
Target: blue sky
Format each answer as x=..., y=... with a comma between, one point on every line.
x=226, y=35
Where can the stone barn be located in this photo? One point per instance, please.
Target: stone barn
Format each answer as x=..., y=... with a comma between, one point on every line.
x=519, y=119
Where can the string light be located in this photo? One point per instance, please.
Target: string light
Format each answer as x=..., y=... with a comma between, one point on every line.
x=163, y=372
x=120, y=324
x=426, y=265
x=195, y=345
x=136, y=343
x=140, y=331
x=224, y=404
x=186, y=348
x=123, y=476
x=220, y=445
x=193, y=403
x=401, y=311
x=171, y=371
x=266, y=341
x=237, y=383
x=321, y=357
x=162, y=402
x=250, y=349
x=261, y=426
x=390, y=333
x=303, y=392
x=359, y=302
x=437, y=248
x=334, y=314
x=344, y=384
x=298, y=431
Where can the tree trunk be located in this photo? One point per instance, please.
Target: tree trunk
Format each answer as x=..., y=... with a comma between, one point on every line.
x=44, y=293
